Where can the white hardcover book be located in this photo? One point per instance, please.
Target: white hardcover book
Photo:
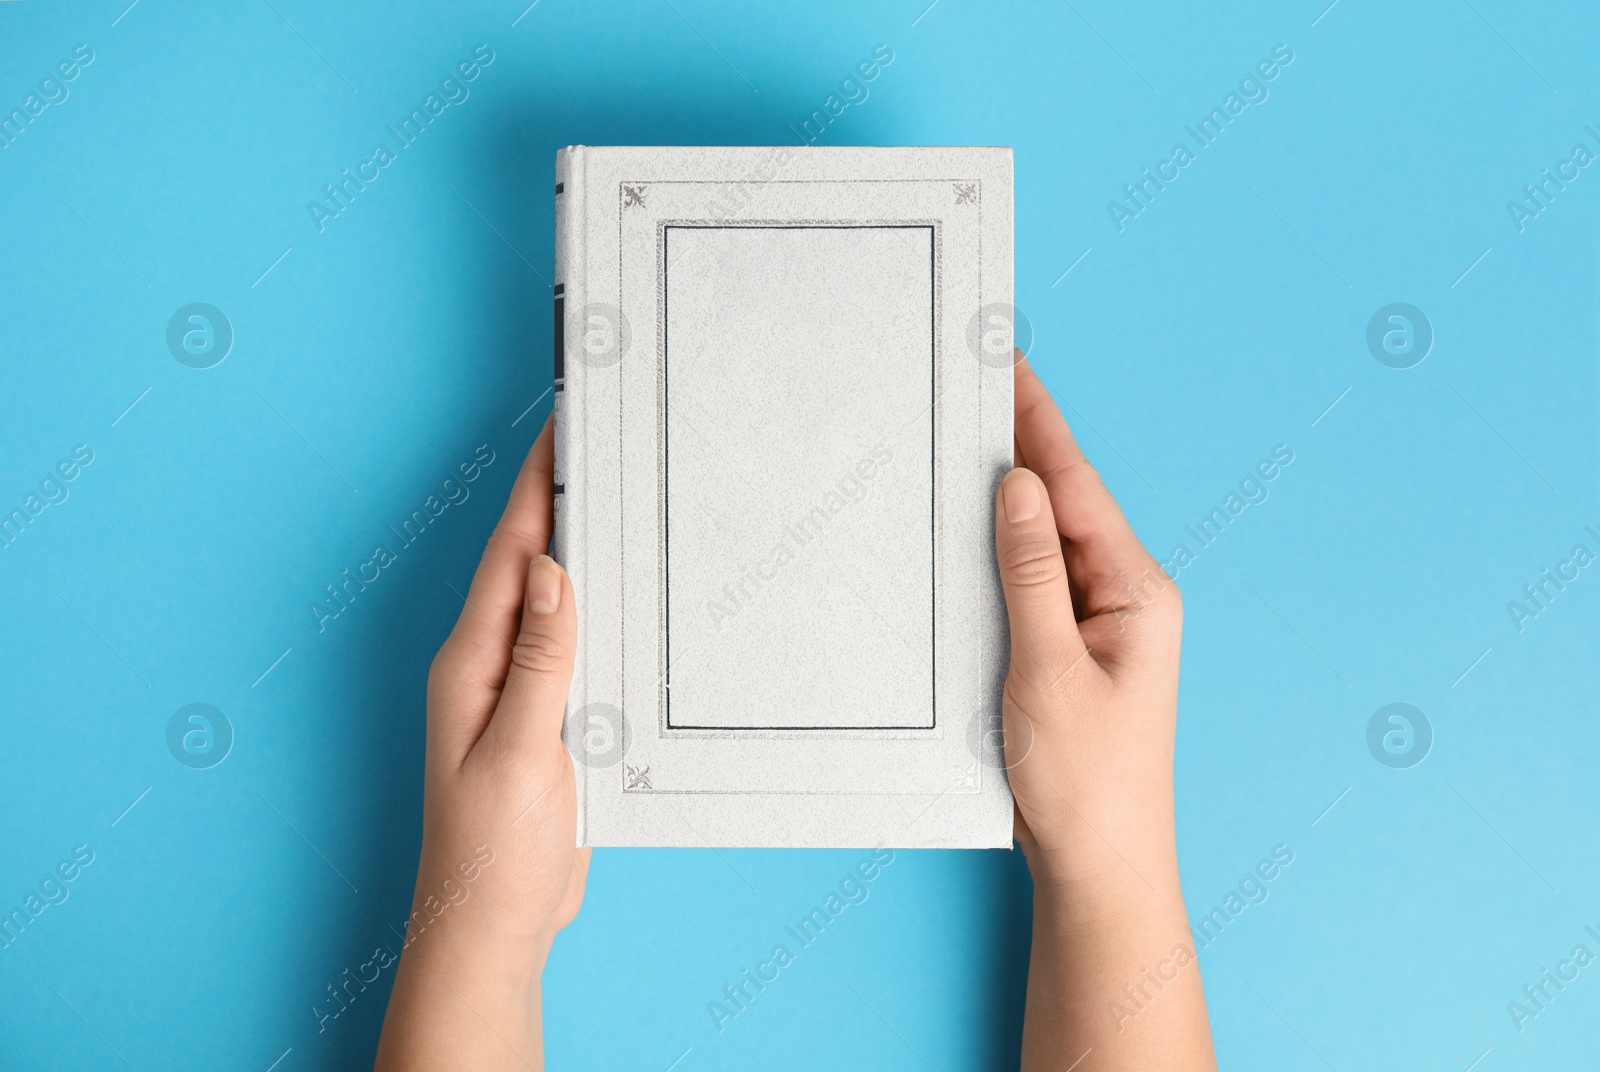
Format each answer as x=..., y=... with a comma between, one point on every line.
x=783, y=405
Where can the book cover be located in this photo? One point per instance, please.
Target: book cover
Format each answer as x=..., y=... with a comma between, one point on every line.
x=783, y=405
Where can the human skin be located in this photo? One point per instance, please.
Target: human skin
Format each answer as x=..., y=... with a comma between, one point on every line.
x=1089, y=711
x=467, y=991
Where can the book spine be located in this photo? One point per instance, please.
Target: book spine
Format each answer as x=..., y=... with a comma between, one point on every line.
x=569, y=529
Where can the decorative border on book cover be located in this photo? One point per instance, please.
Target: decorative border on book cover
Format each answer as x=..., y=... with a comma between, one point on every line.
x=633, y=195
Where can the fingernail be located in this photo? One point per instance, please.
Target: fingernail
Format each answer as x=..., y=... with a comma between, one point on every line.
x=544, y=585
x=1020, y=492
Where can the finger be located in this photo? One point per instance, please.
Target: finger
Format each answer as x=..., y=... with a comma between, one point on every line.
x=472, y=664
x=527, y=720
x=523, y=532
x=1104, y=557
x=1045, y=643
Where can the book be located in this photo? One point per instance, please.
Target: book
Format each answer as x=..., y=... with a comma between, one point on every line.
x=783, y=406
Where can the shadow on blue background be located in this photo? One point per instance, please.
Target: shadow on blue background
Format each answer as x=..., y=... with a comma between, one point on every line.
x=1227, y=317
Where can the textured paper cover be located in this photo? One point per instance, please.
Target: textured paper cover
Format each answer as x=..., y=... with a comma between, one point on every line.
x=784, y=407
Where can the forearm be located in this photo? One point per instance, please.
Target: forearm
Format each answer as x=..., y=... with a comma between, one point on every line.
x=456, y=1007
x=499, y=873
x=1113, y=971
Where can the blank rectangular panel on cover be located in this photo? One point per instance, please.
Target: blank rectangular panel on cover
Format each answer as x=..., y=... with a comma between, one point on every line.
x=799, y=381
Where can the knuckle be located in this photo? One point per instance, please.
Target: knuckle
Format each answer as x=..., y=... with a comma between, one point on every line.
x=1030, y=562
x=540, y=653
x=518, y=538
x=1172, y=601
x=1149, y=595
x=444, y=668
x=1164, y=600
x=1079, y=469
x=459, y=660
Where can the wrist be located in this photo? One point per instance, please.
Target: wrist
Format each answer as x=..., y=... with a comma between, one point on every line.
x=1117, y=862
x=459, y=999
x=466, y=948
x=1119, y=907
x=437, y=1023
x=461, y=917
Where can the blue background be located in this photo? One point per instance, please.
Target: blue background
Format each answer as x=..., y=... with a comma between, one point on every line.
x=376, y=355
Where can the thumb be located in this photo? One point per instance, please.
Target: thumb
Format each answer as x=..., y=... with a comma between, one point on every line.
x=1045, y=643
x=534, y=699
